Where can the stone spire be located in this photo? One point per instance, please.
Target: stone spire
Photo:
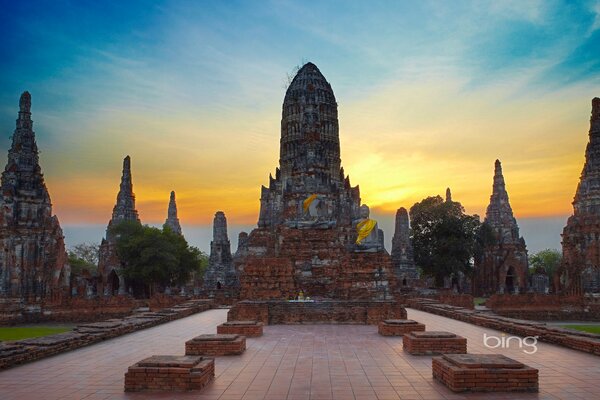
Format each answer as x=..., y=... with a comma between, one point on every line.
x=502, y=267
x=220, y=273
x=587, y=197
x=580, y=243
x=499, y=214
x=172, y=219
x=402, y=250
x=33, y=260
x=124, y=209
x=309, y=160
x=448, y=195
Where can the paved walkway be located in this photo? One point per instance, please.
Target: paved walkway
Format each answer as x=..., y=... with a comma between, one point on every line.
x=293, y=362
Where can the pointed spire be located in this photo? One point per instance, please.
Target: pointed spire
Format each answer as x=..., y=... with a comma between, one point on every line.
x=220, y=228
x=587, y=196
x=22, y=169
x=499, y=213
x=448, y=195
x=124, y=209
x=172, y=219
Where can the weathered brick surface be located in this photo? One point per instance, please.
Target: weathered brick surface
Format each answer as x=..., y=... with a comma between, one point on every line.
x=245, y=328
x=399, y=327
x=273, y=312
x=588, y=342
x=19, y=352
x=423, y=343
x=484, y=373
x=170, y=373
x=216, y=345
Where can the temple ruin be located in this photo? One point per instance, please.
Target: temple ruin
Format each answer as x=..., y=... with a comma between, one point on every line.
x=221, y=273
x=172, y=221
x=402, y=251
x=503, y=266
x=313, y=234
x=580, y=269
x=33, y=260
x=109, y=265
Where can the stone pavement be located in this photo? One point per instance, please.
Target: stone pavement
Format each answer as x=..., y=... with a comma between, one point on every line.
x=293, y=362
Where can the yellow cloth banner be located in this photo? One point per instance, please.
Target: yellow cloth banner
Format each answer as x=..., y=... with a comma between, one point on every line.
x=308, y=201
x=364, y=229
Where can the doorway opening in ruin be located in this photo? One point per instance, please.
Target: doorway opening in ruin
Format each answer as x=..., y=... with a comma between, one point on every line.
x=404, y=282
x=509, y=282
x=219, y=285
x=113, y=282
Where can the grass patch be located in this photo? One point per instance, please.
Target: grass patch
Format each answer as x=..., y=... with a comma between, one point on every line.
x=24, y=332
x=479, y=300
x=584, y=328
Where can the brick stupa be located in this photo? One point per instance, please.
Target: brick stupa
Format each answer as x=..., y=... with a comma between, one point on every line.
x=580, y=238
x=33, y=260
x=109, y=265
x=306, y=238
x=503, y=266
x=172, y=221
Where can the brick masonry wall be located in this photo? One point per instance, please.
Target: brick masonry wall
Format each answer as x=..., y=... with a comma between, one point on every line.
x=22, y=351
x=545, y=306
x=434, y=345
x=215, y=347
x=482, y=379
x=169, y=378
x=274, y=312
x=389, y=329
x=588, y=342
x=248, y=330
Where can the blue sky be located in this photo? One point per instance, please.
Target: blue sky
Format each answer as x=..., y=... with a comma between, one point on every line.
x=430, y=94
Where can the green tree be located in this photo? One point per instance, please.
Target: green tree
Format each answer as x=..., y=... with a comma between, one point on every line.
x=153, y=256
x=84, y=257
x=445, y=239
x=547, y=260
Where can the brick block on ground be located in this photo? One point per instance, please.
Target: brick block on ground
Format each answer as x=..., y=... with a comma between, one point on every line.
x=170, y=373
x=246, y=328
x=216, y=345
x=399, y=327
x=484, y=373
x=427, y=343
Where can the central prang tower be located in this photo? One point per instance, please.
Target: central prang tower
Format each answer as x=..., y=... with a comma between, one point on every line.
x=309, y=159
x=307, y=237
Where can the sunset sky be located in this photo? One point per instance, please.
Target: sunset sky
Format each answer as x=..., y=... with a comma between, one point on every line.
x=429, y=94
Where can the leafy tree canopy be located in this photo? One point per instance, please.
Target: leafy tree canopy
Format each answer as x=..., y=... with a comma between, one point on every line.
x=155, y=256
x=547, y=260
x=445, y=239
x=84, y=256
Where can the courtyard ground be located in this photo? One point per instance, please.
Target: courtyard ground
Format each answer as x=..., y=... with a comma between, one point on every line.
x=294, y=362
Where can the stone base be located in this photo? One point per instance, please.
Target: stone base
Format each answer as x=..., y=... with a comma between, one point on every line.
x=399, y=327
x=484, y=373
x=273, y=312
x=427, y=343
x=246, y=328
x=215, y=345
x=169, y=373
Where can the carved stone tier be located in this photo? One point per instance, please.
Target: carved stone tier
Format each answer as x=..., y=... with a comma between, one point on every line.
x=216, y=345
x=170, y=373
x=399, y=327
x=273, y=312
x=433, y=342
x=484, y=373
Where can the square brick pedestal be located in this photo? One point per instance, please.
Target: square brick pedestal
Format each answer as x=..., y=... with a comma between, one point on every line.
x=170, y=373
x=398, y=327
x=424, y=343
x=484, y=373
x=246, y=328
x=215, y=345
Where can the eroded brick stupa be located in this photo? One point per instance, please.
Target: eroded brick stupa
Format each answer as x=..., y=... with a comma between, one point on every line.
x=503, y=266
x=33, y=260
x=402, y=251
x=172, y=221
x=220, y=273
x=313, y=234
x=580, y=269
x=109, y=265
